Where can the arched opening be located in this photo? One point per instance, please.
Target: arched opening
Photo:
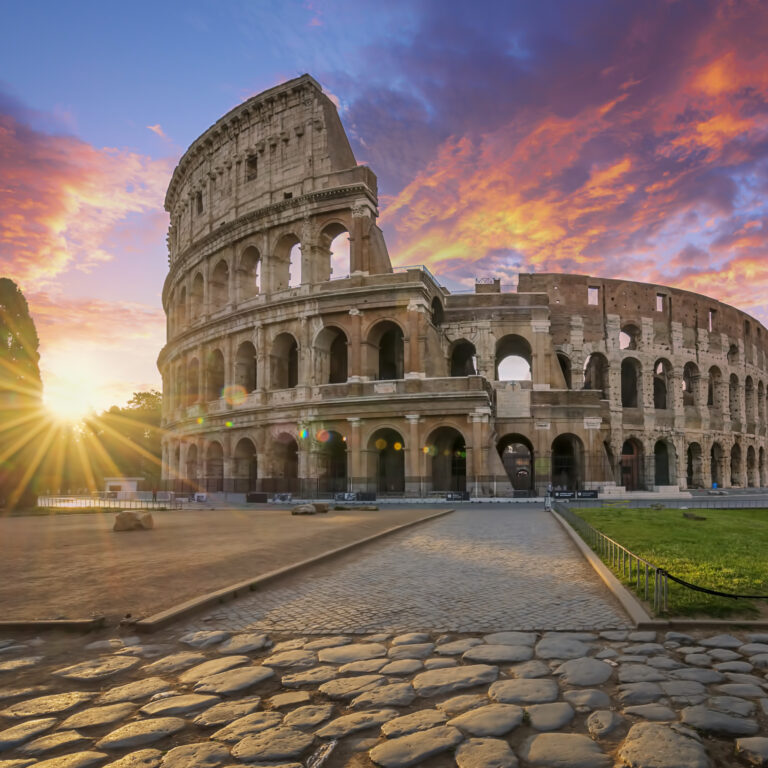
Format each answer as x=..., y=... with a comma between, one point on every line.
x=664, y=463
x=197, y=295
x=193, y=381
x=214, y=468
x=386, y=452
x=177, y=471
x=295, y=278
x=438, y=313
x=661, y=380
x=761, y=467
x=331, y=461
x=717, y=465
x=283, y=265
x=629, y=337
x=632, y=469
x=284, y=362
x=752, y=479
x=181, y=309
x=714, y=387
x=386, y=338
x=331, y=356
x=249, y=274
x=214, y=375
x=334, y=247
x=736, y=465
x=245, y=367
x=567, y=463
x=191, y=469
x=463, y=359
x=513, y=359
x=596, y=371
x=565, y=367
x=285, y=464
x=516, y=453
x=630, y=383
x=448, y=454
x=749, y=403
x=760, y=415
x=219, y=286
x=694, y=470
x=733, y=355
x=733, y=397
x=690, y=384
x=245, y=467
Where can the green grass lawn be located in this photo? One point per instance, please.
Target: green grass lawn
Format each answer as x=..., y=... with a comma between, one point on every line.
x=728, y=551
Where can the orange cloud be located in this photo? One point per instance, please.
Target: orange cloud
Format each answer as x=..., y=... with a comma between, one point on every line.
x=157, y=129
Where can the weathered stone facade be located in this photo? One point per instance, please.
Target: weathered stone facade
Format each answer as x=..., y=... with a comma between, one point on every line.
x=281, y=376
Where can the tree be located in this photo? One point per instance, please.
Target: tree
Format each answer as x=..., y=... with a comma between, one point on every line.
x=21, y=392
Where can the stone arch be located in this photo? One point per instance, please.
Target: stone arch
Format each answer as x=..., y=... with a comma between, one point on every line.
x=249, y=274
x=717, y=464
x=632, y=465
x=514, y=358
x=197, y=294
x=565, y=367
x=662, y=391
x=245, y=466
x=463, y=356
x=214, y=374
x=284, y=362
x=596, y=374
x=181, y=309
x=760, y=416
x=735, y=465
x=752, y=478
x=517, y=456
x=631, y=372
x=284, y=456
x=749, y=404
x=193, y=381
x=218, y=286
x=438, y=313
x=733, y=354
x=447, y=450
x=761, y=467
x=331, y=461
x=567, y=462
x=284, y=263
x=733, y=397
x=214, y=467
x=191, y=469
x=335, y=261
x=694, y=466
x=386, y=341
x=664, y=463
x=245, y=367
x=714, y=388
x=331, y=356
x=386, y=460
x=690, y=383
x=629, y=337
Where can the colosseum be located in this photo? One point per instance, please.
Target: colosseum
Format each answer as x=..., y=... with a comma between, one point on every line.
x=298, y=363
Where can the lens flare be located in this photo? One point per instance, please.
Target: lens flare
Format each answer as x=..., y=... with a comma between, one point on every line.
x=323, y=436
x=234, y=394
x=398, y=446
x=200, y=419
x=380, y=444
x=228, y=424
x=303, y=433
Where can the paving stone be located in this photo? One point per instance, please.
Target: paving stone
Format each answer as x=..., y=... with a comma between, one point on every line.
x=607, y=653
x=47, y=705
x=212, y=667
x=357, y=721
x=227, y=711
x=246, y=642
x=18, y=734
x=703, y=676
x=742, y=690
x=377, y=637
x=20, y=763
x=13, y=665
x=757, y=637
x=145, y=650
x=350, y=687
x=410, y=651
x=642, y=636
x=402, y=667
x=602, y=723
x=721, y=641
x=704, y=719
x=584, y=671
x=51, y=741
x=510, y=638
x=205, y=638
x=734, y=666
x=440, y=663
x=491, y=720
x=559, y=647
x=354, y=652
x=309, y=716
x=363, y=667
x=457, y=647
x=686, y=649
x=234, y=680
x=174, y=662
x=640, y=673
x=290, y=645
x=698, y=659
x=411, y=637
x=27, y=691
x=395, y=695
x=742, y=677
x=650, y=745
x=142, y=758
x=754, y=750
x=645, y=649
x=288, y=699
x=327, y=642
x=533, y=668
x=550, y=717
x=631, y=658
x=76, y=760
x=485, y=753
x=273, y=745
x=415, y=747
x=615, y=634
x=759, y=660
x=141, y=689
x=679, y=637
x=94, y=717
x=141, y=732
x=732, y=705
x=244, y=726
x=203, y=754
x=524, y=691
x=639, y=693
x=498, y=654
x=178, y=705
x=683, y=688
x=723, y=654
x=663, y=662
x=98, y=669
x=563, y=750
x=436, y=682
x=651, y=712
x=458, y=704
x=296, y=659
x=587, y=699
x=316, y=676
x=422, y=720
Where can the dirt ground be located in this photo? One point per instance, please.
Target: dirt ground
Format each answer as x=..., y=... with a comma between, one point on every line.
x=75, y=566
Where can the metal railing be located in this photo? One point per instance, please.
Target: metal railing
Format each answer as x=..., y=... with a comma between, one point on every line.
x=105, y=502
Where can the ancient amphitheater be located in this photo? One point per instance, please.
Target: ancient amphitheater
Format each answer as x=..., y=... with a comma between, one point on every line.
x=294, y=366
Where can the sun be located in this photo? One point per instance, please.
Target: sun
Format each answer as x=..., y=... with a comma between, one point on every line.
x=71, y=405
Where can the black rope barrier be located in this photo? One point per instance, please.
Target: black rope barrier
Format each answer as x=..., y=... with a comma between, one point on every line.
x=711, y=591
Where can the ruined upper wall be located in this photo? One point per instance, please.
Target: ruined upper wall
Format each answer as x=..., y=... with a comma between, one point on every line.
x=285, y=143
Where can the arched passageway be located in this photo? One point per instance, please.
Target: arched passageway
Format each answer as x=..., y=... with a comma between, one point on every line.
x=736, y=465
x=630, y=383
x=214, y=375
x=331, y=362
x=752, y=478
x=386, y=456
x=388, y=347
x=447, y=453
x=514, y=359
x=245, y=467
x=285, y=464
x=245, y=367
x=284, y=362
x=717, y=464
x=331, y=461
x=596, y=371
x=249, y=274
x=567, y=463
x=694, y=469
x=516, y=453
x=632, y=469
x=463, y=359
x=218, y=288
x=214, y=468
x=191, y=469
x=662, y=371
x=664, y=463
x=565, y=367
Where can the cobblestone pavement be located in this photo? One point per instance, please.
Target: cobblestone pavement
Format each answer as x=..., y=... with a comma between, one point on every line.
x=474, y=570
x=511, y=699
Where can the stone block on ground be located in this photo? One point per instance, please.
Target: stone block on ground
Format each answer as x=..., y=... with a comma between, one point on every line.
x=651, y=744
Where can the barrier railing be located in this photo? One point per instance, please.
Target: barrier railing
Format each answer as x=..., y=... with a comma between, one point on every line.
x=105, y=502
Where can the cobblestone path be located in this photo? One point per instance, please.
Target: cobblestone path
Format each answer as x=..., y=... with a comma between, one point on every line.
x=474, y=570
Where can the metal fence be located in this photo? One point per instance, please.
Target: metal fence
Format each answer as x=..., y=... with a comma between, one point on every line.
x=106, y=502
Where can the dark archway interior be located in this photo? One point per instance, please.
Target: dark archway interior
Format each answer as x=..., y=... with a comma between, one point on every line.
x=566, y=463
x=388, y=449
x=332, y=461
x=463, y=358
x=516, y=453
x=448, y=451
x=632, y=475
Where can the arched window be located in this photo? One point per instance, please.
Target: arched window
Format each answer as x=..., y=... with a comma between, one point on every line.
x=191, y=465
x=197, y=296
x=214, y=375
x=386, y=341
x=283, y=266
x=664, y=463
x=629, y=337
x=513, y=359
x=334, y=261
x=630, y=381
x=249, y=274
x=463, y=359
x=714, y=388
x=717, y=463
x=565, y=367
x=750, y=397
x=193, y=381
x=596, y=371
x=661, y=380
x=219, y=286
x=284, y=362
x=181, y=309
x=448, y=455
x=690, y=384
x=331, y=356
x=245, y=367
x=752, y=479
x=438, y=314
x=733, y=397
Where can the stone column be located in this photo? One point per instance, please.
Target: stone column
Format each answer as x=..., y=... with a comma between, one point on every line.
x=413, y=364
x=413, y=455
x=542, y=357
x=262, y=359
x=200, y=374
x=355, y=471
x=355, y=360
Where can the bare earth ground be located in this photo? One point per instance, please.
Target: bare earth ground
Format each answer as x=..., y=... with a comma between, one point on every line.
x=75, y=566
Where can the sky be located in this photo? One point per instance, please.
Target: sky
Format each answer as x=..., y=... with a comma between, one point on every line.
x=617, y=139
